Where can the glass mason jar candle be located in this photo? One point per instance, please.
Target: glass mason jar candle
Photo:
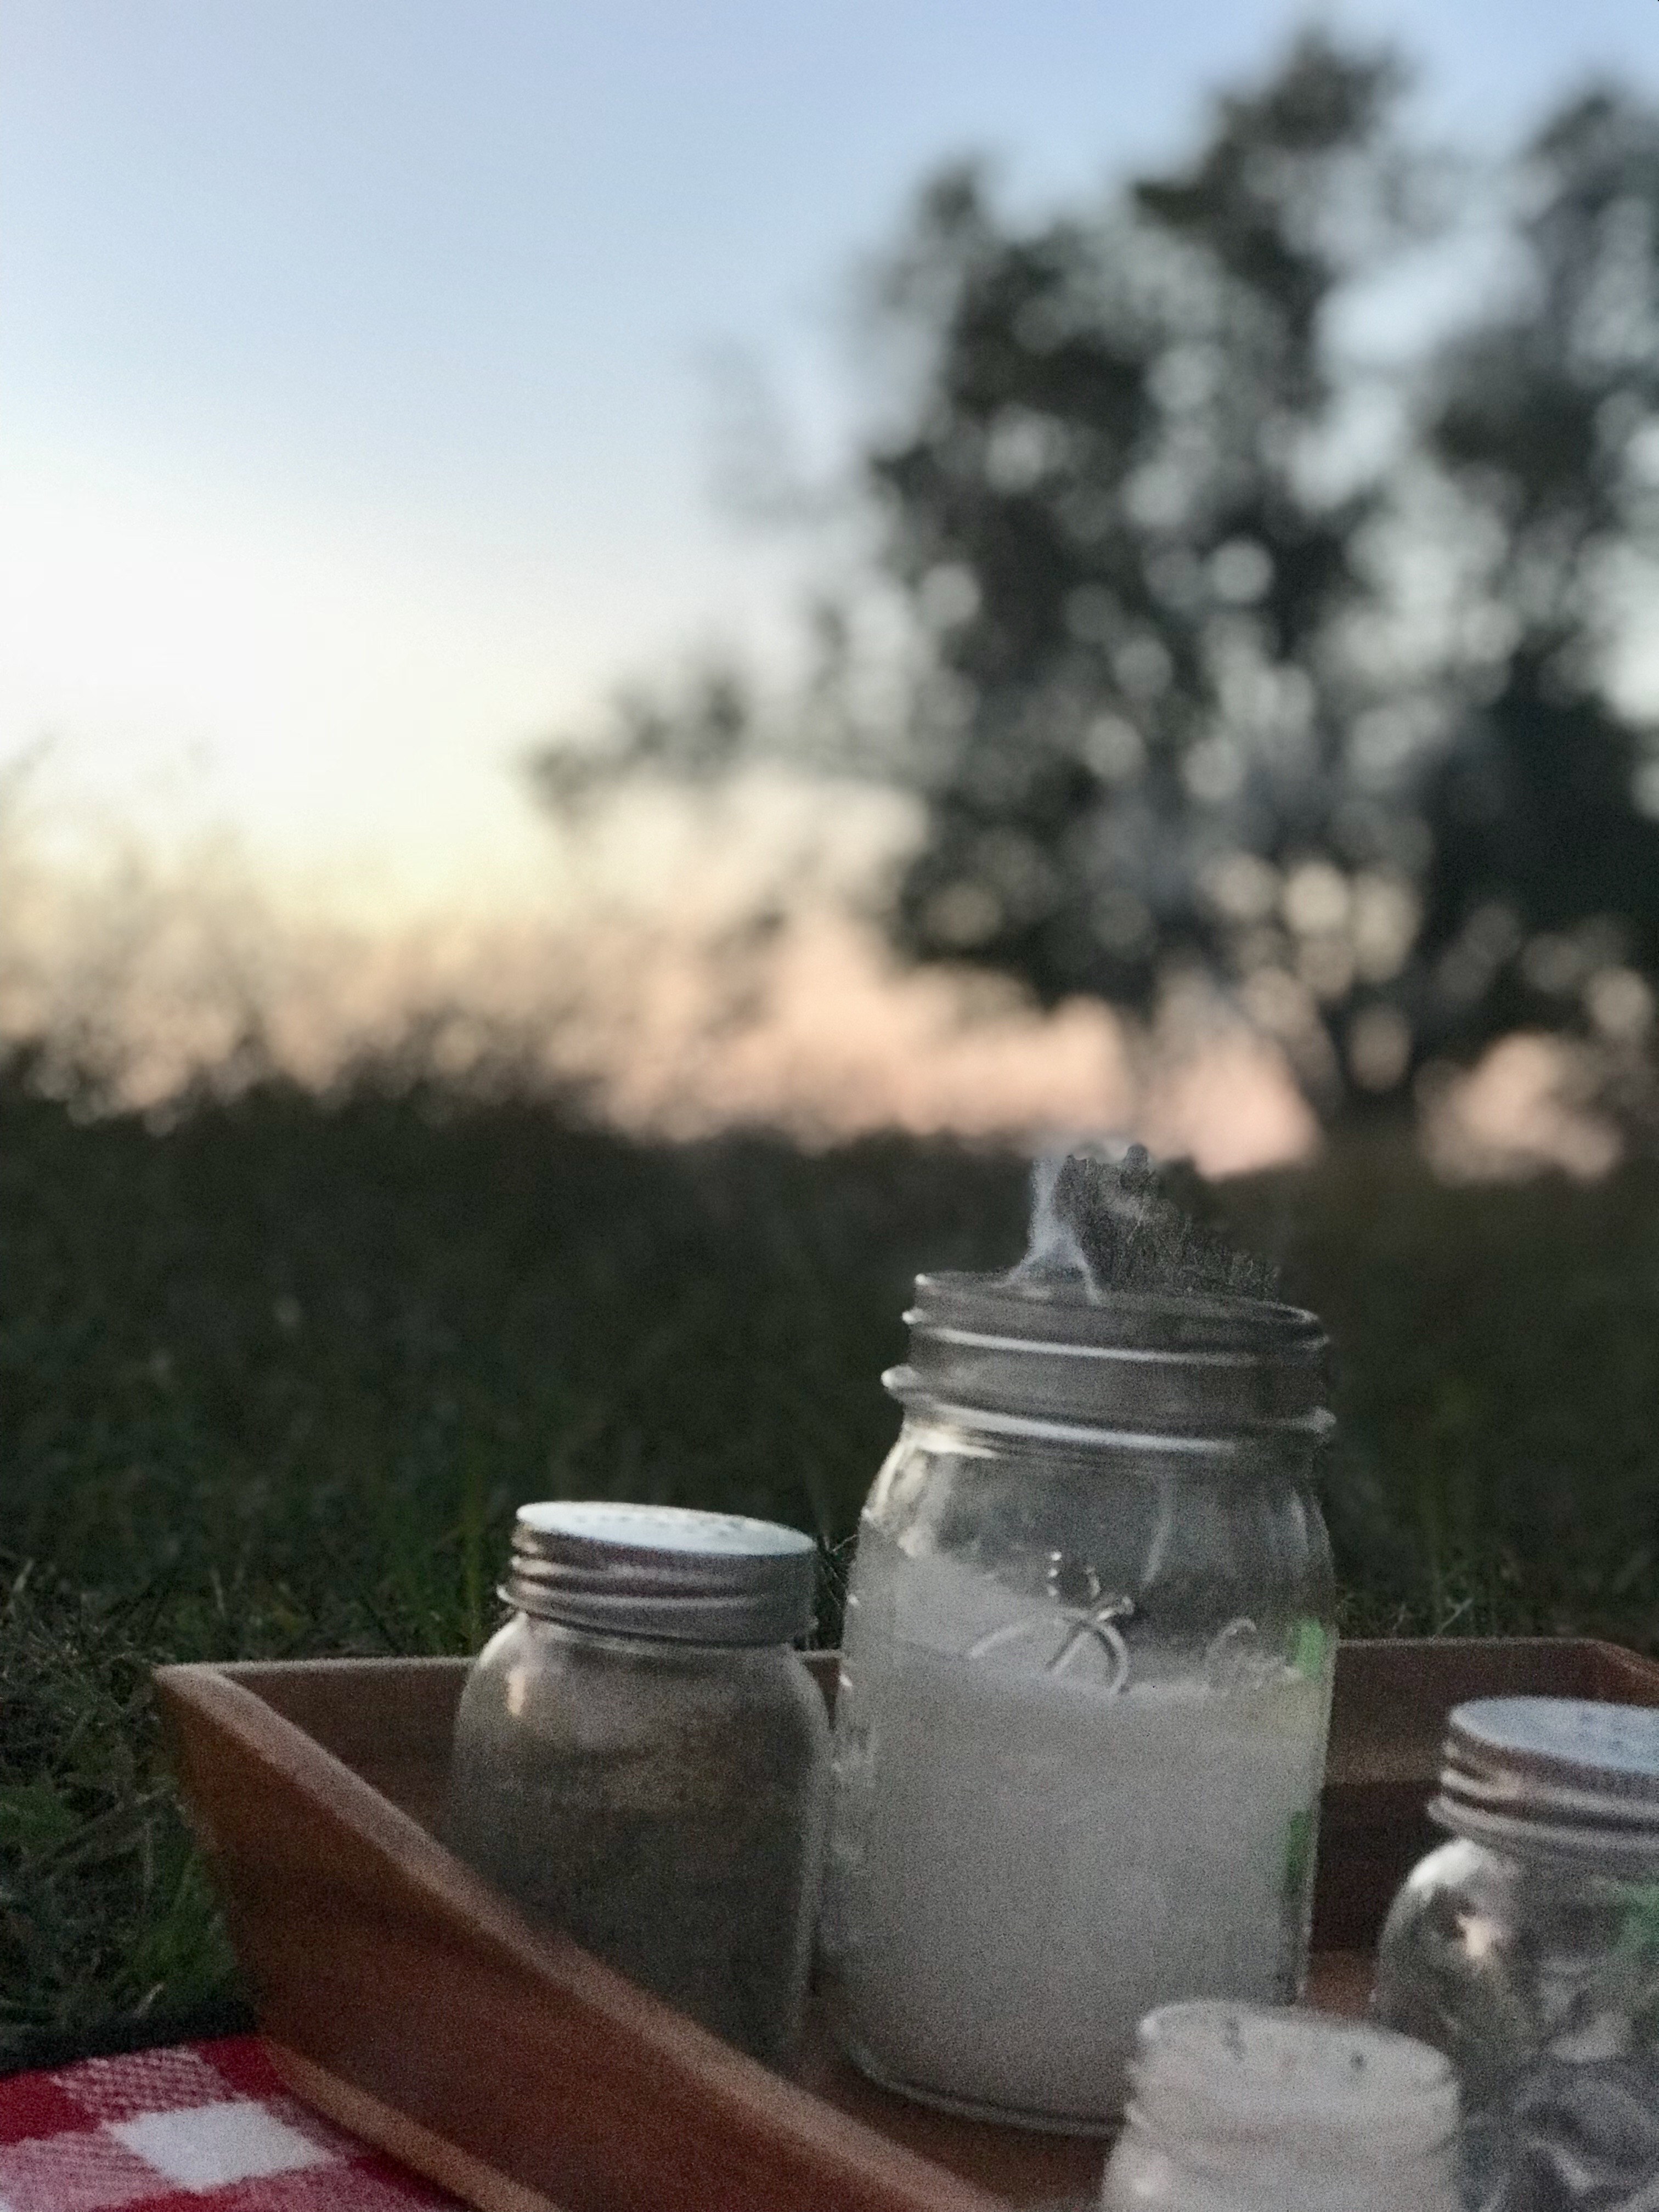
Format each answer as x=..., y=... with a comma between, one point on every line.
x=1085, y=1690
x=641, y=1757
x=1526, y=1948
x=1234, y=2108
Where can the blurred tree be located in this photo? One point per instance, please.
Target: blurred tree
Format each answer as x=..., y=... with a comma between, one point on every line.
x=1110, y=515
x=1541, y=889
x=1196, y=686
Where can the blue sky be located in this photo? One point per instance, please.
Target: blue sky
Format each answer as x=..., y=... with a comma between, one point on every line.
x=354, y=397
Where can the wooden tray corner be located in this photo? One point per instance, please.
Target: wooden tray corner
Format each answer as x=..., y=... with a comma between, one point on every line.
x=408, y=2000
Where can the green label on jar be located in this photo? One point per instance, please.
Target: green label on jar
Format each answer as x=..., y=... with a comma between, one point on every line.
x=1308, y=1647
x=1299, y=1854
x=1639, y=1933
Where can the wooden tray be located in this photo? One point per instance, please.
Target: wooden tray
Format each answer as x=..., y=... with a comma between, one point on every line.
x=409, y=2002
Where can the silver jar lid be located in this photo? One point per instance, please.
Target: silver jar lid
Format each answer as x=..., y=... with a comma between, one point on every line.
x=662, y=1570
x=1195, y=1373
x=1568, y=1775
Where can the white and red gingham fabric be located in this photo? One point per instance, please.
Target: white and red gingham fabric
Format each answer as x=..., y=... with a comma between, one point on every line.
x=204, y=2127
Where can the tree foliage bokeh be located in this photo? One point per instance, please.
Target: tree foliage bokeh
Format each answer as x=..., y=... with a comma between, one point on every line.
x=1232, y=652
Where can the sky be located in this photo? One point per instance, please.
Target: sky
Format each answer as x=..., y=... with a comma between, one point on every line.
x=355, y=388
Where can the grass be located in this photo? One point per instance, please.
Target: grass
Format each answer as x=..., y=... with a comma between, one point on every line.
x=273, y=1376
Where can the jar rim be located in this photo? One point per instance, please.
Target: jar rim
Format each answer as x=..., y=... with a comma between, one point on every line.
x=1213, y=2070
x=1058, y=1313
x=917, y=1399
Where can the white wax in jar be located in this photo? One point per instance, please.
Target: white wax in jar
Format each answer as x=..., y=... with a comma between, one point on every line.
x=1022, y=1863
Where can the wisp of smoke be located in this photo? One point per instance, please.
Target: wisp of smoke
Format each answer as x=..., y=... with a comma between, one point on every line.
x=1108, y=1225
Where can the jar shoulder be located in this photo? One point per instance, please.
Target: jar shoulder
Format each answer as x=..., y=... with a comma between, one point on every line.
x=1508, y=1962
x=1458, y=1900
x=935, y=1470
x=955, y=1522
x=535, y=1680
x=1483, y=1901
x=1457, y=1868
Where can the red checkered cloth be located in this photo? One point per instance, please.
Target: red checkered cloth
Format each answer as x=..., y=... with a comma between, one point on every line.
x=205, y=2127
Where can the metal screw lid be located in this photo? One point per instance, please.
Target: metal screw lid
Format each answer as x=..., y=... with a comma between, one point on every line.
x=1568, y=1774
x=661, y=1570
x=1209, y=1373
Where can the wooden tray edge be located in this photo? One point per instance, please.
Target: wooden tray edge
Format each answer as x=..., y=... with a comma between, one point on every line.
x=434, y=2156
x=228, y=1699
x=854, y=2162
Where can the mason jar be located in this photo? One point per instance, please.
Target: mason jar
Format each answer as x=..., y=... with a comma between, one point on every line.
x=1235, y=2108
x=642, y=1758
x=1526, y=1948
x=1085, y=1690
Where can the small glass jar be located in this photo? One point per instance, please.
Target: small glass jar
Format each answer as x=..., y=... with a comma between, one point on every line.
x=1085, y=1690
x=641, y=1757
x=1527, y=1950
x=1235, y=2108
